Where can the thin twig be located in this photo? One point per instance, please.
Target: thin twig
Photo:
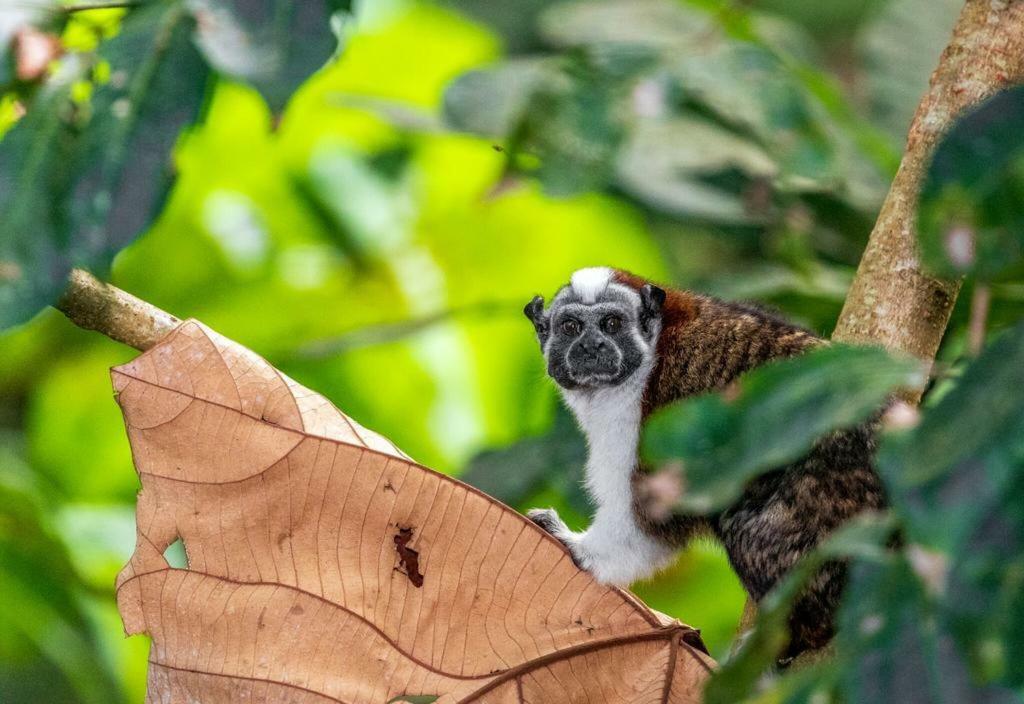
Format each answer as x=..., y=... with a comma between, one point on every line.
x=113, y=4
x=981, y=300
x=391, y=332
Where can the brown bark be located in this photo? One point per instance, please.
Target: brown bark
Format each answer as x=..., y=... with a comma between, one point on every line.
x=91, y=304
x=893, y=302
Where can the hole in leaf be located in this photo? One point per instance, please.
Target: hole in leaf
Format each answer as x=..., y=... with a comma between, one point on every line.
x=175, y=555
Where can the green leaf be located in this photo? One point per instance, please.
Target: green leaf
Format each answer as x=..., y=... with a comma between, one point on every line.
x=6, y=73
x=514, y=473
x=668, y=164
x=897, y=49
x=611, y=111
x=415, y=698
x=43, y=609
x=743, y=82
x=972, y=205
x=652, y=22
x=831, y=22
x=274, y=45
x=33, y=262
x=79, y=180
x=894, y=645
x=748, y=87
x=738, y=677
x=515, y=22
x=975, y=434
x=574, y=121
x=782, y=409
x=958, y=481
x=491, y=101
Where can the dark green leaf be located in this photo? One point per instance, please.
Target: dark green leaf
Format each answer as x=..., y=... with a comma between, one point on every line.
x=491, y=101
x=415, y=698
x=894, y=645
x=575, y=121
x=274, y=45
x=514, y=21
x=78, y=181
x=42, y=594
x=830, y=22
x=665, y=164
x=6, y=68
x=514, y=473
x=958, y=481
x=898, y=49
x=972, y=204
x=971, y=440
x=746, y=86
x=613, y=109
x=744, y=82
x=781, y=411
x=863, y=537
x=33, y=261
x=662, y=23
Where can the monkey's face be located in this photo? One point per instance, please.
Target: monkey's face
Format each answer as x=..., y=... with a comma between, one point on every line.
x=597, y=332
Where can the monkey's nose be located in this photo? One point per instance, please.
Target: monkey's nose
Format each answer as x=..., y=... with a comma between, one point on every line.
x=593, y=346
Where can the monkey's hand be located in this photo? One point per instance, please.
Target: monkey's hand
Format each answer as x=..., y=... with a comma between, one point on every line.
x=551, y=522
x=613, y=549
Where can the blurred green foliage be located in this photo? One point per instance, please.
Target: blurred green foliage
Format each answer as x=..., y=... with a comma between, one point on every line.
x=932, y=611
x=376, y=235
x=772, y=416
x=972, y=205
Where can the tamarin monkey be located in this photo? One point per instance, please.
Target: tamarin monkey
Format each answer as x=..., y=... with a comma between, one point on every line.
x=620, y=347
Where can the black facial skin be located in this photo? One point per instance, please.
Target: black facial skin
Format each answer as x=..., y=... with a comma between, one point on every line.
x=595, y=345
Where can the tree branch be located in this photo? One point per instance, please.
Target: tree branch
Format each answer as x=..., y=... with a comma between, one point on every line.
x=892, y=301
x=91, y=304
x=116, y=4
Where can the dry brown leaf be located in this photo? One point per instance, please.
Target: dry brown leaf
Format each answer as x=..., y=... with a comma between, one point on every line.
x=324, y=565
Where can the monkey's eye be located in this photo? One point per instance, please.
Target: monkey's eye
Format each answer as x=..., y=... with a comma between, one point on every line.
x=571, y=326
x=611, y=324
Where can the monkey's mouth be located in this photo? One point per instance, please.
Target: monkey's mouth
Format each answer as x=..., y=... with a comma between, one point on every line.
x=595, y=373
x=597, y=381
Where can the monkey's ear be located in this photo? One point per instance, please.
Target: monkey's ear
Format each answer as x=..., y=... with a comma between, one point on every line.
x=534, y=310
x=653, y=298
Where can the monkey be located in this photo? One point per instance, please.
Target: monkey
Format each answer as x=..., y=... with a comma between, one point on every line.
x=619, y=347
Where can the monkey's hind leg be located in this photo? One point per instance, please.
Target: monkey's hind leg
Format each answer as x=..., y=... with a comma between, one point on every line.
x=812, y=619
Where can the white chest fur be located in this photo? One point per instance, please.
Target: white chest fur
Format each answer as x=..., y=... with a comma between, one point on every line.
x=614, y=548
x=610, y=420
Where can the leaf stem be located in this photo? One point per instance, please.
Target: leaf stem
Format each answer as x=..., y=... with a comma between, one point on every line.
x=981, y=300
x=382, y=333
x=112, y=4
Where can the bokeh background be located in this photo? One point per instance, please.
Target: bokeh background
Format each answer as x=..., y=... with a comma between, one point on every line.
x=378, y=239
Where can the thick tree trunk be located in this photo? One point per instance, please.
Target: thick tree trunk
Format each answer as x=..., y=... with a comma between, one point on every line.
x=892, y=301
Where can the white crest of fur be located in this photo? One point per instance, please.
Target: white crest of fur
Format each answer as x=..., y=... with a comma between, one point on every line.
x=614, y=548
x=591, y=282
